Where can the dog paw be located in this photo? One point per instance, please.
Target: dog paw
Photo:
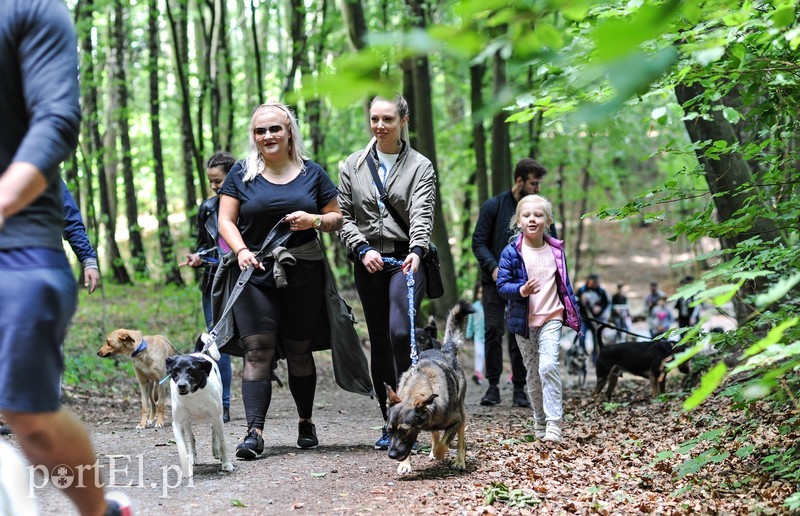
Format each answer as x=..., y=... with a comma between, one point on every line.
x=141, y=426
x=459, y=465
x=404, y=468
x=226, y=467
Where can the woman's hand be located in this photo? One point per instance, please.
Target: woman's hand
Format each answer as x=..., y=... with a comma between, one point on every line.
x=372, y=261
x=247, y=258
x=411, y=263
x=300, y=220
x=192, y=260
x=529, y=287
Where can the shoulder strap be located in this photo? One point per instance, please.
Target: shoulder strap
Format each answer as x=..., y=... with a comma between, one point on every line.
x=385, y=198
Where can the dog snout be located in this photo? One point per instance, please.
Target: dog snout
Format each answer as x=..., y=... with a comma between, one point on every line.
x=183, y=386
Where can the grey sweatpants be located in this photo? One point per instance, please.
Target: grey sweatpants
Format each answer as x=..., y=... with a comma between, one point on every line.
x=540, y=355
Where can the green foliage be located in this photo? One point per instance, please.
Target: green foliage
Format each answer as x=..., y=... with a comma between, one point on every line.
x=499, y=491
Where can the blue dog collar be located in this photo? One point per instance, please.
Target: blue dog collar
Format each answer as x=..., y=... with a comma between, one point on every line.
x=141, y=348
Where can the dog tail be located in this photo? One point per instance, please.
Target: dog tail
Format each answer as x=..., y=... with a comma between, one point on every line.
x=454, y=333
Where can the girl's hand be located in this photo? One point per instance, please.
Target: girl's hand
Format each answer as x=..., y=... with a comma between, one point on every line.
x=248, y=258
x=372, y=261
x=192, y=260
x=411, y=263
x=529, y=287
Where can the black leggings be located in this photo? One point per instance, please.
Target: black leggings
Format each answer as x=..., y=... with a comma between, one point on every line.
x=384, y=296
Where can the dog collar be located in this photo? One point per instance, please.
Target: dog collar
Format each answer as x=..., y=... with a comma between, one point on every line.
x=141, y=348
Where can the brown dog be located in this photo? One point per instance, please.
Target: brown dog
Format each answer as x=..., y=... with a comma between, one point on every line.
x=430, y=396
x=149, y=356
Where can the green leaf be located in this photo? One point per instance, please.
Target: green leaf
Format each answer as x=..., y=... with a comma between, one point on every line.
x=616, y=37
x=778, y=290
x=773, y=337
x=745, y=451
x=237, y=503
x=783, y=17
x=710, y=381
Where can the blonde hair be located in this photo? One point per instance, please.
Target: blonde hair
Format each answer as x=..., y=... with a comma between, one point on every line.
x=254, y=163
x=546, y=205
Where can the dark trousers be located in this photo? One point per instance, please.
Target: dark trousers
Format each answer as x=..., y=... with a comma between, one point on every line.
x=494, y=309
x=384, y=296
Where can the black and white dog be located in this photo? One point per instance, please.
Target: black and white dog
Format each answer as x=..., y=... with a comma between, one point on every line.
x=196, y=393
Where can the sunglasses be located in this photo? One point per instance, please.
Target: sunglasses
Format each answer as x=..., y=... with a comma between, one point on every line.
x=273, y=129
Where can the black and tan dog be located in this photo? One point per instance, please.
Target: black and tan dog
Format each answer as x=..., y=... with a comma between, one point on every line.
x=430, y=396
x=575, y=359
x=645, y=359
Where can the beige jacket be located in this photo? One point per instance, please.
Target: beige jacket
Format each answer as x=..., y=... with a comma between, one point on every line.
x=411, y=188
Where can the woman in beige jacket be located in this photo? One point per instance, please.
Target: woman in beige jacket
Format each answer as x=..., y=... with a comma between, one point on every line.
x=370, y=233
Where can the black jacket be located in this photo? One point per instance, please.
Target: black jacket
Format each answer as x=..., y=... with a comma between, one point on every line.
x=207, y=236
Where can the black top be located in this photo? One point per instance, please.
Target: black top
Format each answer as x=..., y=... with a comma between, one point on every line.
x=264, y=204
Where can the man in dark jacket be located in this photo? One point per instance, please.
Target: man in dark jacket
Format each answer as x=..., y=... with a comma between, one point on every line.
x=75, y=234
x=492, y=233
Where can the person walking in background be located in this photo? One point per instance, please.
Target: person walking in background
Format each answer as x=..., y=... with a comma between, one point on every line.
x=475, y=331
x=370, y=233
x=490, y=237
x=688, y=315
x=532, y=276
x=210, y=248
x=75, y=233
x=661, y=318
x=620, y=312
x=593, y=302
x=39, y=106
x=652, y=297
x=277, y=183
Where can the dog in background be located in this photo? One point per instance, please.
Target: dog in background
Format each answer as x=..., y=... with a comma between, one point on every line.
x=644, y=359
x=196, y=394
x=148, y=353
x=575, y=361
x=430, y=396
x=427, y=337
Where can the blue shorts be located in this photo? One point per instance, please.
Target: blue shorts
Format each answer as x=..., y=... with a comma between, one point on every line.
x=36, y=306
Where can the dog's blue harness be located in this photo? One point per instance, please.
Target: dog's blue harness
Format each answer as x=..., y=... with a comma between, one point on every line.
x=412, y=312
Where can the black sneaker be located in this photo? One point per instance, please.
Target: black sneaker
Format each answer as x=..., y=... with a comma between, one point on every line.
x=383, y=442
x=226, y=414
x=306, y=435
x=492, y=396
x=520, y=398
x=252, y=447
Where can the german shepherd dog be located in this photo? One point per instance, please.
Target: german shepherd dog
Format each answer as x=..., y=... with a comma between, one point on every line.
x=430, y=396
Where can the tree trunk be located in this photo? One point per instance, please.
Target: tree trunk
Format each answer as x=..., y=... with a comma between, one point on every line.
x=257, y=52
x=297, y=22
x=171, y=273
x=724, y=176
x=586, y=180
x=501, y=159
x=476, y=73
x=427, y=146
x=192, y=161
x=120, y=78
x=355, y=23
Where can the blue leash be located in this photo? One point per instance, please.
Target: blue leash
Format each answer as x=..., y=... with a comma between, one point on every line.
x=411, y=311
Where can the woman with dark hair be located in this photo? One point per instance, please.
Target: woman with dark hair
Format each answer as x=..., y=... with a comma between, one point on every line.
x=210, y=247
x=277, y=182
x=371, y=233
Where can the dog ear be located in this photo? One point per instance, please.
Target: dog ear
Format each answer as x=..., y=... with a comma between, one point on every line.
x=420, y=403
x=206, y=366
x=391, y=396
x=170, y=363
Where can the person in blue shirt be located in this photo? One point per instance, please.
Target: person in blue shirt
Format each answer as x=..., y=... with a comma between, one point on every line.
x=75, y=233
x=40, y=109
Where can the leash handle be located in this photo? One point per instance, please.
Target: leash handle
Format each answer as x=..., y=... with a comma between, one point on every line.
x=412, y=312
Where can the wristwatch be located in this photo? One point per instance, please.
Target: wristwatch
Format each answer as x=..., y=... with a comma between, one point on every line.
x=317, y=222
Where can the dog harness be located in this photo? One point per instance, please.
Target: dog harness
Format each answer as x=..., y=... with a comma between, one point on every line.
x=412, y=312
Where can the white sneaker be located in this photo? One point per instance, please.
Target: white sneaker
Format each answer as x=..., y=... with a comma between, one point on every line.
x=553, y=432
x=539, y=430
